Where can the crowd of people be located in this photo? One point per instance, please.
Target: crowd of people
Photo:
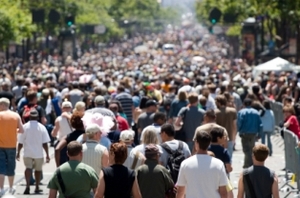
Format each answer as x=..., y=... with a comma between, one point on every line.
x=141, y=119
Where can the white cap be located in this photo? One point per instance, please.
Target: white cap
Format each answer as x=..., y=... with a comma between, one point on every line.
x=92, y=129
x=66, y=104
x=127, y=135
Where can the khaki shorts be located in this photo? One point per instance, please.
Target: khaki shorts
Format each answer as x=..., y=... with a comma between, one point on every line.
x=36, y=164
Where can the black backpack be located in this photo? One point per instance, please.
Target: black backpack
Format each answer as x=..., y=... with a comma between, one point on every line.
x=174, y=160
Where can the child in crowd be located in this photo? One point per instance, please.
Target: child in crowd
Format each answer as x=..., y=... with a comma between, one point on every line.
x=219, y=138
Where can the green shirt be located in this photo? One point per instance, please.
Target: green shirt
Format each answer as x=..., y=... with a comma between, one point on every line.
x=78, y=178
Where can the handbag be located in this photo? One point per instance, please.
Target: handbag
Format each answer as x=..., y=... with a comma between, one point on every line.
x=171, y=193
x=136, y=158
x=61, y=183
x=250, y=186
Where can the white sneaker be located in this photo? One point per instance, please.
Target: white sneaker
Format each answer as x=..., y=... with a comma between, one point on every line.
x=12, y=191
x=2, y=192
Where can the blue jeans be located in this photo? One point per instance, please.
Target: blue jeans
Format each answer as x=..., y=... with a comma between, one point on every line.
x=230, y=146
x=7, y=161
x=263, y=140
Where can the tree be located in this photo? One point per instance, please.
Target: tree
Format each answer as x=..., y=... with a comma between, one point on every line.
x=6, y=29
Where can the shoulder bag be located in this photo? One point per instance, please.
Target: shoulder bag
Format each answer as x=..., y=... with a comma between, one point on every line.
x=135, y=160
x=61, y=183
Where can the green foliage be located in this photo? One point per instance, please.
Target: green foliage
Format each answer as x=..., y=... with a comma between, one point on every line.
x=6, y=29
x=16, y=16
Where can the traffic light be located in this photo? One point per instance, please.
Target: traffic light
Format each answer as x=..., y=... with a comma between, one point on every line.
x=54, y=16
x=215, y=15
x=70, y=20
x=38, y=15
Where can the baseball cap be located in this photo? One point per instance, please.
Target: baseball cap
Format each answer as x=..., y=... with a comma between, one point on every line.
x=34, y=113
x=150, y=103
x=127, y=135
x=151, y=150
x=66, y=104
x=99, y=100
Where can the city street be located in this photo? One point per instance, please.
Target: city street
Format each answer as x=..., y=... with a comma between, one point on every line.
x=276, y=162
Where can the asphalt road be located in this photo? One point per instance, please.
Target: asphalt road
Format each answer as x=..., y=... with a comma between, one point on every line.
x=276, y=162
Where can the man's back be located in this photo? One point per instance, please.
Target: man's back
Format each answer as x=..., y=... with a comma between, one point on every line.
x=34, y=136
x=225, y=117
x=192, y=118
x=249, y=121
x=202, y=175
x=8, y=131
x=78, y=179
x=262, y=180
x=92, y=154
x=154, y=179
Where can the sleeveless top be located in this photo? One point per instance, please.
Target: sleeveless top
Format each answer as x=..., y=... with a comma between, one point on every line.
x=262, y=180
x=120, y=177
x=64, y=127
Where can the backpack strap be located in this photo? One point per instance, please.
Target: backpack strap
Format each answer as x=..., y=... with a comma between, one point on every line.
x=60, y=181
x=180, y=146
x=167, y=148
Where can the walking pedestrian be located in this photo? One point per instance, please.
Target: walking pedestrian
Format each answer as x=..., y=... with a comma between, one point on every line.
x=34, y=139
x=11, y=124
x=250, y=127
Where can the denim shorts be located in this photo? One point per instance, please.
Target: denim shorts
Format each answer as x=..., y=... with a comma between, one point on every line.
x=7, y=161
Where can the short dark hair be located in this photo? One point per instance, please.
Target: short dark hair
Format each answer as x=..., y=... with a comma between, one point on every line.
x=260, y=152
x=159, y=115
x=121, y=88
x=203, y=139
x=215, y=133
x=247, y=102
x=168, y=129
x=74, y=148
x=267, y=104
x=221, y=99
x=210, y=114
x=120, y=151
x=31, y=95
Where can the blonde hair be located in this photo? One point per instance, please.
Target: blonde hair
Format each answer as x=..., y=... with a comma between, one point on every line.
x=149, y=136
x=79, y=106
x=5, y=102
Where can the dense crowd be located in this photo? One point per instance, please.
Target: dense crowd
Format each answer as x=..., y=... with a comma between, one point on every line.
x=150, y=116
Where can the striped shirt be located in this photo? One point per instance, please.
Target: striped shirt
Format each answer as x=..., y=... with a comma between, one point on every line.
x=126, y=101
x=92, y=154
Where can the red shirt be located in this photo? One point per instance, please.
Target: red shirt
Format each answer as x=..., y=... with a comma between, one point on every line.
x=294, y=125
x=123, y=124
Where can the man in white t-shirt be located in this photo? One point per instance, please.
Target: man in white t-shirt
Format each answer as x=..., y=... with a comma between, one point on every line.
x=34, y=139
x=202, y=176
x=167, y=133
x=159, y=119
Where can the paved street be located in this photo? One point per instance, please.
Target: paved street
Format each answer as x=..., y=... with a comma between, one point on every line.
x=276, y=162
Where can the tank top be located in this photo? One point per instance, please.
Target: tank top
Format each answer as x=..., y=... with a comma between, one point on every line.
x=120, y=177
x=262, y=180
x=64, y=127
